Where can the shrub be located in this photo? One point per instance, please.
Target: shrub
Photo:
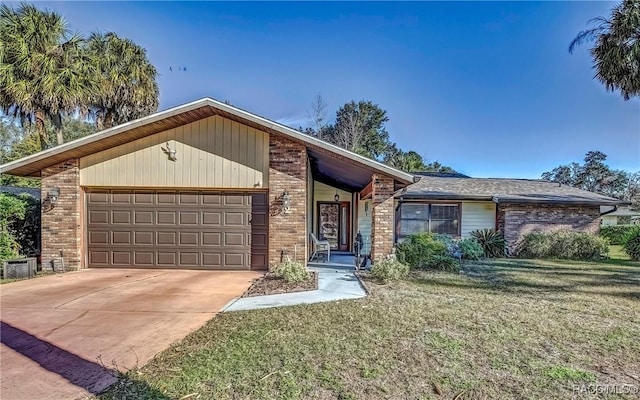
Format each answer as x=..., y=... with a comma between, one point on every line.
x=492, y=242
x=291, y=271
x=616, y=233
x=632, y=243
x=389, y=269
x=563, y=245
x=417, y=249
x=12, y=208
x=470, y=249
x=443, y=262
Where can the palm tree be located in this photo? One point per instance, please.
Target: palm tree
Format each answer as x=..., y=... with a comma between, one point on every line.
x=616, y=53
x=43, y=72
x=126, y=79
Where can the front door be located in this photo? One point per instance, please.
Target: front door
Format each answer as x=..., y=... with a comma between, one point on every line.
x=333, y=224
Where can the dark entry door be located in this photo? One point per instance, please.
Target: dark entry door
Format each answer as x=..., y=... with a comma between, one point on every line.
x=334, y=224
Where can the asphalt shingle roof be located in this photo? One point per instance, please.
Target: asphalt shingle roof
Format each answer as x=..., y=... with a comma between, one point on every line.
x=501, y=190
x=34, y=192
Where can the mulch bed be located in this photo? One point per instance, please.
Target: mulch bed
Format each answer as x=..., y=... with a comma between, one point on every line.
x=269, y=284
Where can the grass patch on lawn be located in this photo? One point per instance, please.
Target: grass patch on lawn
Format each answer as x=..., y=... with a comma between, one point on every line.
x=616, y=252
x=502, y=329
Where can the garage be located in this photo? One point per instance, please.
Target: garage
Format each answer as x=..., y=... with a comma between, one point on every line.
x=210, y=230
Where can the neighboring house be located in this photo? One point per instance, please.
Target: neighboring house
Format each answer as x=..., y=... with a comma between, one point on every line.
x=459, y=205
x=206, y=186
x=621, y=216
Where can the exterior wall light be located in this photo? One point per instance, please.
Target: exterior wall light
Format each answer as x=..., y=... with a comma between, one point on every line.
x=286, y=202
x=53, y=195
x=337, y=196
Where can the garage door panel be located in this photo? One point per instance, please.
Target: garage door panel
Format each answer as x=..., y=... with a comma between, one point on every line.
x=166, y=217
x=141, y=217
x=189, y=217
x=163, y=229
x=188, y=238
x=144, y=258
x=166, y=198
x=98, y=217
x=99, y=238
x=236, y=260
x=234, y=219
x=211, y=218
x=121, y=258
x=121, y=237
x=234, y=239
x=99, y=257
x=189, y=259
x=143, y=238
x=166, y=238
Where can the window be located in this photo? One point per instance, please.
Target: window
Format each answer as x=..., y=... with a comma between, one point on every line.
x=426, y=217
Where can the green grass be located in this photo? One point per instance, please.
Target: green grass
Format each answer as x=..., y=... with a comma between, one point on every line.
x=617, y=253
x=504, y=329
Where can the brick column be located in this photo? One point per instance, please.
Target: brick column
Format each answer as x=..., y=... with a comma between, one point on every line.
x=61, y=221
x=287, y=171
x=382, y=217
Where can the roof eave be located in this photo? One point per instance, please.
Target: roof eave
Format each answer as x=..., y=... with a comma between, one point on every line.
x=593, y=202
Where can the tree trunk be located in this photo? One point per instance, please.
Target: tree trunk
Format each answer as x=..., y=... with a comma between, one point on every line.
x=41, y=130
x=57, y=124
x=108, y=119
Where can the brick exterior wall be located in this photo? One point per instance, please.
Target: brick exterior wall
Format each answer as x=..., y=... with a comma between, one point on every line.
x=516, y=220
x=382, y=214
x=287, y=171
x=61, y=222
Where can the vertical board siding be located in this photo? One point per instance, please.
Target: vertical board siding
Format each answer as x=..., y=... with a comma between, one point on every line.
x=477, y=215
x=364, y=224
x=211, y=153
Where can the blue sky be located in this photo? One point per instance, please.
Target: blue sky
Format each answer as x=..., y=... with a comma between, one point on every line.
x=485, y=87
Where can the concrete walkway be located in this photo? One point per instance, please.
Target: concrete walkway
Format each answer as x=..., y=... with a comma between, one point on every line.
x=334, y=283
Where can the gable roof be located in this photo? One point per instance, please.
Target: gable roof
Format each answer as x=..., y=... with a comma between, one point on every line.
x=502, y=190
x=172, y=118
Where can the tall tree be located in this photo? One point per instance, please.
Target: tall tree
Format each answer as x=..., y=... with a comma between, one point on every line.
x=127, y=87
x=616, y=53
x=43, y=70
x=594, y=175
x=359, y=127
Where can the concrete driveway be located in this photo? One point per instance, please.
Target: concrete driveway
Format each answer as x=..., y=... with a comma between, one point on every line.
x=64, y=335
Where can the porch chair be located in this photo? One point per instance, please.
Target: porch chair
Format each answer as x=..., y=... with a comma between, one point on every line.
x=319, y=246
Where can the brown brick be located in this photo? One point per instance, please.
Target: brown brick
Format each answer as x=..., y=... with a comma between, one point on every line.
x=61, y=222
x=382, y=231
x=287, y=171
x=516, y=220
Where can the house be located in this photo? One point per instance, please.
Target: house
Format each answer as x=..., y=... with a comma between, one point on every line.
x=457, y=205
x=620, y=216
x=206, y=185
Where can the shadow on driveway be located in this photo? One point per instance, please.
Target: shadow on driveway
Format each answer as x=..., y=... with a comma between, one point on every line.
x=85, y=374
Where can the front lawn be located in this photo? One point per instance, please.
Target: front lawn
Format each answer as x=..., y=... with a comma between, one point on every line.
x=505, y=329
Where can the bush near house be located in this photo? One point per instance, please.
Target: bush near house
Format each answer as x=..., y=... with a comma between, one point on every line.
x=428, y=251
x=471, y=249
x=616, y=233
x=389, y=269
x=492, y=242
x=631, y=243
x=562, y=245
x=12, y=209
x=291, y=271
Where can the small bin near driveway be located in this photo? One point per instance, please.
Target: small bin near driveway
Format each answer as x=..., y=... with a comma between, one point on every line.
x=19, y=268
